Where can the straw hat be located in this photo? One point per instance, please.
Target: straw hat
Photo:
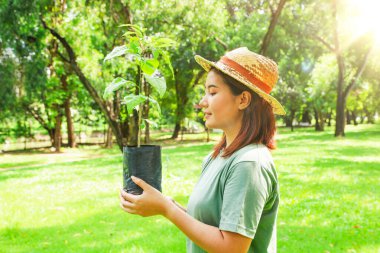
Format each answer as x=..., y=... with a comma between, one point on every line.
x=257, y=72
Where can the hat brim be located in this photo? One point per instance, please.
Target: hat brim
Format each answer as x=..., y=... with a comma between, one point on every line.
x=207, y=65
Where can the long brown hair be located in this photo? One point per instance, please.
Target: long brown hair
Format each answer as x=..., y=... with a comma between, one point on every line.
x=258, y=126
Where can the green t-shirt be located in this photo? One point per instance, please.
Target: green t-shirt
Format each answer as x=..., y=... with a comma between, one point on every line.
x=239, y=194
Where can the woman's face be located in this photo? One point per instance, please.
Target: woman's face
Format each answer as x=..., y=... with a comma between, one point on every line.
x=220, y=106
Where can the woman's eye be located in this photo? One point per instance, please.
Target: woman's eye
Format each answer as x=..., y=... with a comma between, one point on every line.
x=212, y=93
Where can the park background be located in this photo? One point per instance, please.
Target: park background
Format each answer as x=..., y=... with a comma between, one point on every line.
x=60, y=138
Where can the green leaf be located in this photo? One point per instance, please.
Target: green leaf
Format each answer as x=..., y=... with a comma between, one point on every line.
x=135, y=47
x=116, y=84
x=156, y=53
x=128, y=34
x=154, y=62
x=151, y=122
x=117, y=51
x=135, y=58
x=158, y=83
x=155, y=103
x=168, y=62
x=133, y=101
x=138, y=30
x=147, y=67
x=163, y=42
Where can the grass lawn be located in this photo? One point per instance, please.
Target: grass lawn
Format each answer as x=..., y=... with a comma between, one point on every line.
x=329, y=196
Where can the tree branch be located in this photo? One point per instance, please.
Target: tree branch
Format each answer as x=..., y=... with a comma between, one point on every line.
x=320, y=39
x=272, y=25
x=197, y=78
x=63, y=57
x=359, y=71
x=271, y=7
x=37, y=117
x=224, y=45
x=65, y=44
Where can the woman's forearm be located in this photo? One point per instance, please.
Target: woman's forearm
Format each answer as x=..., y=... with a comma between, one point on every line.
x=208, y=237
x=178, y=205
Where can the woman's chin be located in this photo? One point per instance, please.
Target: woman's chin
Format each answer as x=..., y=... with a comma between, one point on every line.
x=209, y=125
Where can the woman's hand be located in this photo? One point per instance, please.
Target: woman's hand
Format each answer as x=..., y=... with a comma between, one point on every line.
x=150, y=202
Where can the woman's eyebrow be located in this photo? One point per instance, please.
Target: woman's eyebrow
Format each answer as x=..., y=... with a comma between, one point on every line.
x=211, y=86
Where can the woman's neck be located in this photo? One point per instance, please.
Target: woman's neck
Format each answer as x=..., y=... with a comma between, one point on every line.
x=231, y=134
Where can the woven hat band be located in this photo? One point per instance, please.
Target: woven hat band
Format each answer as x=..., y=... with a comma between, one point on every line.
x=246, y=73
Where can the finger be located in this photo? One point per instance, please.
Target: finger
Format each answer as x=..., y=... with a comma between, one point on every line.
x=141, y=183
x=127, y=196
x=127, y=204
x=122, y=199
x=128, y=210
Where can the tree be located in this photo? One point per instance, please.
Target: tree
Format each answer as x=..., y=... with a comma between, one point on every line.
x=351, y=62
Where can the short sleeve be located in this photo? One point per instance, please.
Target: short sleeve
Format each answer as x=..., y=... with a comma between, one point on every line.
x=245, y=193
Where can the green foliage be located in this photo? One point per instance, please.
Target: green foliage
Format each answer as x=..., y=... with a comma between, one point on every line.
x=206, y=28
x=143, y=53
x=321, y=87
x=7, y=87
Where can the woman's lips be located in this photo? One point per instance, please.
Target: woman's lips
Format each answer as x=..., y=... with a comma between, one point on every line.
x=207, y=115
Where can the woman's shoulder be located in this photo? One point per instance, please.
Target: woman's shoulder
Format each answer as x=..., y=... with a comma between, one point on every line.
x=252, y=153
x=253, y=158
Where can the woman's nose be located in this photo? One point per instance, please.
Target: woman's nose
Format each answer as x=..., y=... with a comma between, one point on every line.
x=203, y=102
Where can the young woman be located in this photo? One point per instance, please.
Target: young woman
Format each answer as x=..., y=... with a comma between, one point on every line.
x=233, y=207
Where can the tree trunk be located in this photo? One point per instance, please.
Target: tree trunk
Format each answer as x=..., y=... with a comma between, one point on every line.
x=108, y=142
x=319, y=120
x=177, y=128
x=340, y=102
x=292, y=115
x=69, y=121
x=288, y=121
x=306, y=117
x=316, y=120
x=321, y=127
x=340, y=119
x=57, y=133
x=362, y=117
x=70, y=125
x=370, y=117
x=329, y=117
x=348, y=117
x=354, y=116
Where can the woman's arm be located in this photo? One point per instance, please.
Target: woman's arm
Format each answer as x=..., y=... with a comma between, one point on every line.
x=177, y=204
x=210, y=238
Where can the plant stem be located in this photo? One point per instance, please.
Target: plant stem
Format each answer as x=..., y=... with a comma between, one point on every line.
x=139, y=126
x=140, y=110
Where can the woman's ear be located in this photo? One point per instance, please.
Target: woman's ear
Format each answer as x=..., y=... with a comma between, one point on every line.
x=244, y=100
